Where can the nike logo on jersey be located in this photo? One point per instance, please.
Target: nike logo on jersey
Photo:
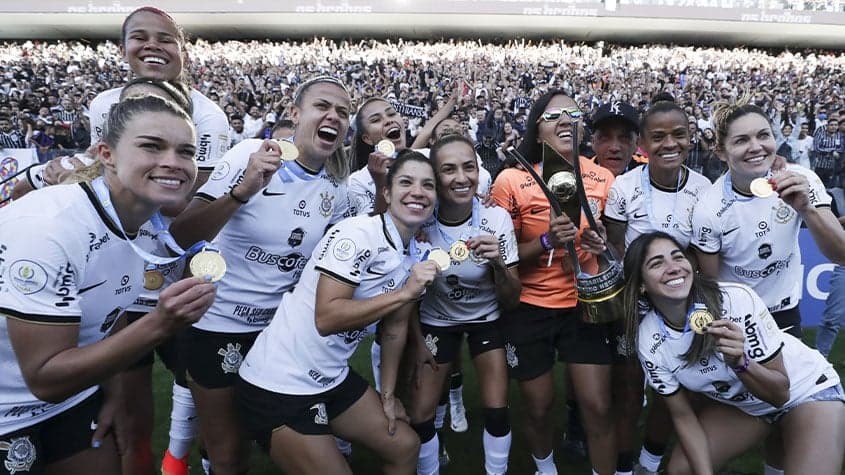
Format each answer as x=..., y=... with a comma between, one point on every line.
x=266, y=192
x=537, y=210
x=729, y=231
x=638, y=216
x=86, y=289
x=370, y=269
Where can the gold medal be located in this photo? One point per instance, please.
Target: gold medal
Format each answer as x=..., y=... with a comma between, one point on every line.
x=761, y=188
x=386, y=147
x=459, y=251
x=209, y=263
x=153, y=280
x=289, y=150
x=699, y=319
x=441, y=258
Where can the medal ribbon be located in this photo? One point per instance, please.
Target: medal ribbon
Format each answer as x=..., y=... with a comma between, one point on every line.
x=665, y=331
x=101, y=190
x=645, y=183
x=413, y=252
x=473, y=224
x=293, y=167
x=729, y=192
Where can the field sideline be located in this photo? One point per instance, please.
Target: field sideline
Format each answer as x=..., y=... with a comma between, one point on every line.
x=464, y=449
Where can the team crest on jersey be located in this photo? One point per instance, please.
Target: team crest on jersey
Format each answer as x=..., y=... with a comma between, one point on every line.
x=326, y=204
x=344, y=249
x=510, y=355
x=27, y=276
x=783, y=212
x=321, y=417
x=296, y=237
x=220, y=172
x=623, y=348
x=594, y=206
x=431, y=343
x=20, y=454
x=232, y=357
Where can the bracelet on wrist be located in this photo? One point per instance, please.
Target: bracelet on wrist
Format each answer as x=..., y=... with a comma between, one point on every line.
x=232, y=195
x=546, y=242
x=743, y=367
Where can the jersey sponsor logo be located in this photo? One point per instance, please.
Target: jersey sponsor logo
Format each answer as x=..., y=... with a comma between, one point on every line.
x=640, y=216
x=254, y=315
x=730, y=231
x=752, y=339
x=125, y=288
x=326, y=204
x=772, y=269
x=721, y=386
x=331, y=237
x=706, y=366
x=221, y=171
x=27, y=277
x=763, y=229
x=232, y=357
x=296, y=237
x=110, y=319
x=510, y=355
x=203, y=147
x=95, y=242
x=784, y=213
x=64, y=282
x=431, y=343
x=345, y=249
x=29, y=410
x=320, y=417
x=592, y=175
x=658, y=338
x=222, y=144
x=725, y=206
x=319, y=378
x=284, y=263
x=537, y=210
x=372, y=268
x=764, y=251
x=300, y=209
x=352, y=337
x=656, y=382
x=20, y=454
x=462, y=293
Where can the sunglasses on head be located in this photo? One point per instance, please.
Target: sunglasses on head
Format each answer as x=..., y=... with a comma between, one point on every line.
x=553, y=114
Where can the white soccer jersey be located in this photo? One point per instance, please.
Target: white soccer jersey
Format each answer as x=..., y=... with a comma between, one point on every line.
x=661, y=348
x=210, y=120
x=756, y=238
x=62, y=262
x=267, y=242
x=289, y=356
x=162, y=274
x=655, y=208
x=35, y=173
x=465, y=293
x=362, y=188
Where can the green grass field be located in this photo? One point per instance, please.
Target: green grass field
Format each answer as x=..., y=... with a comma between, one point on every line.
x=464, y=449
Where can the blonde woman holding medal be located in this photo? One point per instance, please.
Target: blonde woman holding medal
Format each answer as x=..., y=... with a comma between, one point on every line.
x=66, y=281
x=465, y=299
x=297, y=390
x=265, y=206
x=719, y=340
x=745, y=226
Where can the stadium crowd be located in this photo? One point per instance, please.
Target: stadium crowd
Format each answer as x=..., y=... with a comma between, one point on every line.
x=256, y=267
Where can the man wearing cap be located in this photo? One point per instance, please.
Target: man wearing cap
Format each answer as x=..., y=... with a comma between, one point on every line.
x=615, y=130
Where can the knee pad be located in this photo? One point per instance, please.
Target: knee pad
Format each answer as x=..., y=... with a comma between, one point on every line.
x=496, y=421
x=425, y=430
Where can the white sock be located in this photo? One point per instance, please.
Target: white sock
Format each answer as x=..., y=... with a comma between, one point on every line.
x=769, y=470
x=375, y=360
x=496, y=450
x=624, y=473
x=649, y=461
x=206, y=466
x=439, y=416
x=183, y=422
x=456, y=396
x=429, y=461
x=344, y=446
x=546, y=466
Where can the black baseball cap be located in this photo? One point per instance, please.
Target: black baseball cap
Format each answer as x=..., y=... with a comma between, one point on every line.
x=618, y=110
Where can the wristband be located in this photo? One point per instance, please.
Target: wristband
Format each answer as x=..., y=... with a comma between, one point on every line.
x=232, y=195
x=743, y=368
x=546, y=242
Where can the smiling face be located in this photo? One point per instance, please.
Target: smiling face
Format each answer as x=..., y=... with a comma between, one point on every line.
x=457, y=173
x=666, y=140
x=381, y=121
x=152, y=46
x=749, y=147
x=666, y=272
x=152, y=162
x=614, y=143
x=411, y=195
x=557, y=132
x=446, y=127
x=322, y=120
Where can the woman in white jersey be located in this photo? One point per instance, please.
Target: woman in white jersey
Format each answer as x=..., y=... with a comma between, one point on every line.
x=297, y=388
x=72, y=261
x=465, y=299
x=755, y=376
x=265, y=219
x=753, y=239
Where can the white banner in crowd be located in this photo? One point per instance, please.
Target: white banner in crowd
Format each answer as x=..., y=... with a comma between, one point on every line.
x=12, y=161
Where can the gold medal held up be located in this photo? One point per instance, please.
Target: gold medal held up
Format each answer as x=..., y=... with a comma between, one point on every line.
x=209, y=263
x=761, y=188
x=386, y=147
x=289, y=150
x=153, y=280
x=441, y=258
x=699, y=319
x=459, y=251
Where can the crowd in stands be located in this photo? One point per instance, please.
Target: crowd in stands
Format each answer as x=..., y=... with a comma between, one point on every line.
x=45, y=86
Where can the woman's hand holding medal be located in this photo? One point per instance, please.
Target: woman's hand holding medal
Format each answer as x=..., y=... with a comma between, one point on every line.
x=422, y=275
x=262, y=164
x=730, y=341
x=183, y=303
x=793, y=188
x=485, y=247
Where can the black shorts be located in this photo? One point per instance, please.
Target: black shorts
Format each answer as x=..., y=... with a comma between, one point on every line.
x=533, y=335
x=263, y=412
x=212, y=359
x=168, y=351
x=30, y=449
x=791, y=320
x=445, y=342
